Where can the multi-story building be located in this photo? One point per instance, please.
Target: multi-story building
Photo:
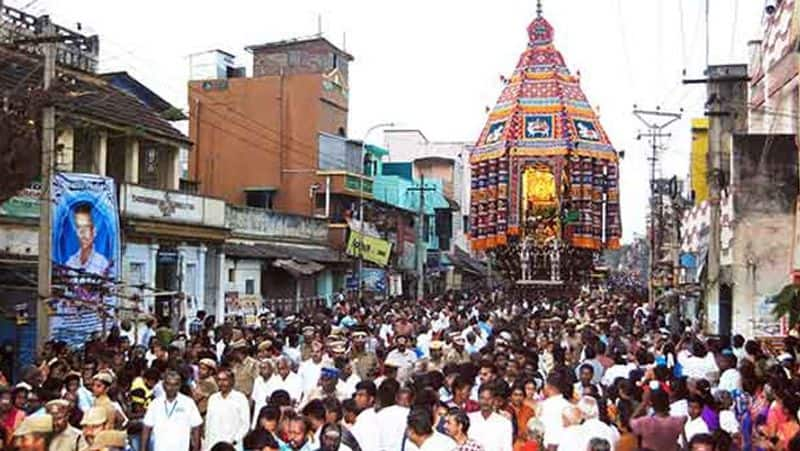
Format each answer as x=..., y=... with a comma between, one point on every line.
x=276, y=142
x=445, y=161
x=751, y=130
x=265, y=129
x=111, y=125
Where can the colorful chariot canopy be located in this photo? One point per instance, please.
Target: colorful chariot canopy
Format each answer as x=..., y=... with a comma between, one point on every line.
x=542, y=110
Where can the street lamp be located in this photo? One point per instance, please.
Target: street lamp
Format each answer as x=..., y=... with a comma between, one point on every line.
x=361, y=204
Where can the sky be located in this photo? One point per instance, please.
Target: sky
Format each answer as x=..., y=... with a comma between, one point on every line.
x=435, y=65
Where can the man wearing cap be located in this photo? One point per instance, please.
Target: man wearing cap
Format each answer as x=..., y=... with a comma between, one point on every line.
x=457, y=353
x=33, y=433
x=366, y=364
x=403, y=358
x=93, y=422
x=264, y=350
x=66, y=437
x=326, y=387
x=308, y=340
x=206, y=384
x=110, y=440
x=245, y=368
x=435, y=360
x=172, y=421
x=101, y=382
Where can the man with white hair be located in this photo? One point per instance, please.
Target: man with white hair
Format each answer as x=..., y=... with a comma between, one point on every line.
x=592, y=427
x=571, y=437
x=286, y=379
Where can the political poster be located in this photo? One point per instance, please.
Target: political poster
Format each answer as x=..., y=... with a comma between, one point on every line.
x=85, y=253
x=374, y=279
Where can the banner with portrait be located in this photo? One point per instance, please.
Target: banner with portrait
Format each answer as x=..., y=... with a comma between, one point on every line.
x=86, y=255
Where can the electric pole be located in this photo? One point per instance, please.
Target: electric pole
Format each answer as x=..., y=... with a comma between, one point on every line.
x=656, y=122
x=420, y=244
x=727, y=91
x=49, y=50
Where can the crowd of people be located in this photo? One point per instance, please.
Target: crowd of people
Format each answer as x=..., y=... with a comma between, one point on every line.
x=470, y=371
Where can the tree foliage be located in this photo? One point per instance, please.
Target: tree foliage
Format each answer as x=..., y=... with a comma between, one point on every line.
x=20, y=141
x=788, y=304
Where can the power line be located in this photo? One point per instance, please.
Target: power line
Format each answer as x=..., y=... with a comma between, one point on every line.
x=735, y=26
x=656, y=122
x=626, y=54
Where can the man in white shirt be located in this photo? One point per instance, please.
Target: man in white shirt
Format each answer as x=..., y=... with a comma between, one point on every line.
x=571, y=437
x=696, y=424
x=262, y=388
x=621, y=368
x=592, y=426
x=173, y=420
x=310, y=369
x=420, y=433
x=286, y=379
x=228, y=415
x=699, y=364
x=552, y=410
x=487, y=427
x=347, y=379
x=366, y=428
x=391, y=417
x=86, y=258
x=730, y=379
x=402, y=358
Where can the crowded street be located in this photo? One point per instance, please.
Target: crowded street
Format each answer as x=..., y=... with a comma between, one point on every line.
x=335, y=225
x=459, y=371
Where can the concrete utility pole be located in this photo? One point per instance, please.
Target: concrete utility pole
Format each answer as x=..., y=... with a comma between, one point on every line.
x=656, y=122
x=48, y=165
x=727, y=85
x=420, y=244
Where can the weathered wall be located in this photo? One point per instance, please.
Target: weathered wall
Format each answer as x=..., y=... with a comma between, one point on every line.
x=259, y=223
x=19, y=239
x=243, y=270
x=316, y=56
x=765, y=186
x=236, y=128
x=763, y=249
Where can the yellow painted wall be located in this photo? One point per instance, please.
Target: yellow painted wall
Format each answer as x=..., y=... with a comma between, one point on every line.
x=699, y=163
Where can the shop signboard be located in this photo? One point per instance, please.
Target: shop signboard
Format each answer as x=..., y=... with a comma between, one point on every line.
x=371, y=249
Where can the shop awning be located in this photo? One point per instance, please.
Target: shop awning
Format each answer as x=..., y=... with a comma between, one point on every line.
x=298, y=269
x=464, y=262
x=285, y=251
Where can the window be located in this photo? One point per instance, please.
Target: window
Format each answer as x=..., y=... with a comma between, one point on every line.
x=249, y=286
x=335, y=61
x=190, y=281
x=136, y=274
x=466, y=223
x=260, y=198
x=231, y=275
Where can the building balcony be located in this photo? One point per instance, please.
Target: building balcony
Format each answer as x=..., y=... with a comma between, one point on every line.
x=348, y=184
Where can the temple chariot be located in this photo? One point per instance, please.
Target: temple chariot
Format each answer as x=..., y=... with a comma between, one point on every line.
x=545, y=193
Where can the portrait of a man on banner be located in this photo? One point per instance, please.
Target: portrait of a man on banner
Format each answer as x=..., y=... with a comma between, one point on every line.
x=85, y=251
